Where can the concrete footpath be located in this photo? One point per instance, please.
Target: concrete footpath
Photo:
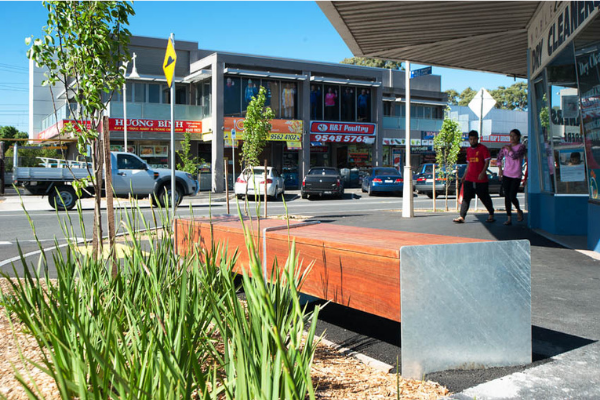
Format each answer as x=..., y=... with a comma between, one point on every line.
x=565, y=312
x=565, y=306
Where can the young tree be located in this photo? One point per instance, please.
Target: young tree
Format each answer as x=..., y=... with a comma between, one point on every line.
x=447, y=147
x=257, y=126
x=83, y=50
x=188, y=163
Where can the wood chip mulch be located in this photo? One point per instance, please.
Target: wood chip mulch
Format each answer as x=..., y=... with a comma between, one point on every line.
x=335, y=376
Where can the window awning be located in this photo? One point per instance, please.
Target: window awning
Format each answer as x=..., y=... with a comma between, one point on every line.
x=472, y=35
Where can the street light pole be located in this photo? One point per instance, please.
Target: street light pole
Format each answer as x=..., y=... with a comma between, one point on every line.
x=407, y=194
x=133, y=74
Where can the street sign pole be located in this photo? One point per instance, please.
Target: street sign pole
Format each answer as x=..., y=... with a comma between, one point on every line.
x=233, y=177
x=173, y=182
x=169, y=69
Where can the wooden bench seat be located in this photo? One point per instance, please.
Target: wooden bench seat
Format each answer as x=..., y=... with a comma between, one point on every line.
x=355, y=267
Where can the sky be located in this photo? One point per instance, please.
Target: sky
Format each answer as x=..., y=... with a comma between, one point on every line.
x=288, y=29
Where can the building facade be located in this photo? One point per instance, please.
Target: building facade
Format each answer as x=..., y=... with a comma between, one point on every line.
x=325, y=114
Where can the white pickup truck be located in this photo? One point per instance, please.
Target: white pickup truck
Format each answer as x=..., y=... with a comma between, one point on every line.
x=131, y=176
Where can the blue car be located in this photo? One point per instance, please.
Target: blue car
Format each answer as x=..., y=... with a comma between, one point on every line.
x=382, y=180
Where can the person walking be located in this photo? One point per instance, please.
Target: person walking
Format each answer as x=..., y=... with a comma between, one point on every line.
x=475, y=180
x=510, y=174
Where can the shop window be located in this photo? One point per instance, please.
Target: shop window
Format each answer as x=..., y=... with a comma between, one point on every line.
x=165, y=94
x=272, y=95
x=316, y=102
x=588, y=74
x=542, y=129
x=427, y=114
x=364, y=105
x=232, y=97
x=332, y=104
x=288, y=100
x=206, y=98
x=153, y=93
x=348, y=103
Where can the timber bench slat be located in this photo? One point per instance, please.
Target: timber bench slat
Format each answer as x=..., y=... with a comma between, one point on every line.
x=355, y=267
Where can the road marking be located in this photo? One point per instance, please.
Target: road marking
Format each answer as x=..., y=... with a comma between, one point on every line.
x=5, y=242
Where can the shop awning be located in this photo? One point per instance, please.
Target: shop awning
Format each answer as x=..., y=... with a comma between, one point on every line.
x=472, y=35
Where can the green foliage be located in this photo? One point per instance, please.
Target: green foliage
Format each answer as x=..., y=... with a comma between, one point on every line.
x=373, y=62
x=453, y=97
x=10, y=132
x=466, y=96
x=513, y=97
x=447, y=146
x=166, y=326
x=189, y=163
x=29, y=157
x=257, y=126
x=83, y=49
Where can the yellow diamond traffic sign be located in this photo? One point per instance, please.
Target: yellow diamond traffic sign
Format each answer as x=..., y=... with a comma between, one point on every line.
x=169, y=63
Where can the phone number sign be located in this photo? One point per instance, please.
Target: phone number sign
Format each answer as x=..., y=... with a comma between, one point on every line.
x=342, y=138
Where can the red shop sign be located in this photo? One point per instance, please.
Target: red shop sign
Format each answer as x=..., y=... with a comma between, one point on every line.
x=326, y=138
x=154, y=125
x=343, y=128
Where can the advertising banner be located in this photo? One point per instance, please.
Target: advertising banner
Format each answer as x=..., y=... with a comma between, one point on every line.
x=154, y=125
x=284, y=130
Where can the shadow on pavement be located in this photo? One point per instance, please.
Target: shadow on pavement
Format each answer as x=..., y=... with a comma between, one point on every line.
x=379, y=338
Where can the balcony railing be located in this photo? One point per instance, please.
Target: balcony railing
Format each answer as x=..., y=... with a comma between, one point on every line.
x=417, y=124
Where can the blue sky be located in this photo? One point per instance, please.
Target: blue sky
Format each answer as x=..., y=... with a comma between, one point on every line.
x=297, y=30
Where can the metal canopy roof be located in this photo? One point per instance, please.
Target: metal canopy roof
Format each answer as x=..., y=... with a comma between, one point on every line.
x=473, y=35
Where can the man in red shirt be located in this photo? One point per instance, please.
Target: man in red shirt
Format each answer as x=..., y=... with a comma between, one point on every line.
x=475, y=180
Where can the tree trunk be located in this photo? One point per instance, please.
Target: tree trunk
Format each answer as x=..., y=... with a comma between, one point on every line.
x=97, y=232
x=110, y=210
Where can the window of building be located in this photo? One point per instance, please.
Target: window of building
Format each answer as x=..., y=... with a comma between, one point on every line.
x=139, y=92
x=250, y=90
x=181, y=94
x=316, y=102
x=272, y=95
x=332, y=103
x=364, y=105
x=348, y=103
x=153, y=93
x=232, y=97
x=561, y=137
x=289, y=103
x=387, y=108
x=588, y=74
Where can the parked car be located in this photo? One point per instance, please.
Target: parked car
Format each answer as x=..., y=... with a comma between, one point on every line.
x=424, y=169
x=425, y=183
x=322, y=181
x=290, y=178
x=379, y=180
x=252, y=182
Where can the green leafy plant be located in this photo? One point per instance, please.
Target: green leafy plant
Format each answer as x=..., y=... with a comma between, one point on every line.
x=447, y=146
x=188, y=162
x=257, y=126
x=166, y=326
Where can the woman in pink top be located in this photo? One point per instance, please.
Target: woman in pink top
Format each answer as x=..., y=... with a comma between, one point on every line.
x=510, y=172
